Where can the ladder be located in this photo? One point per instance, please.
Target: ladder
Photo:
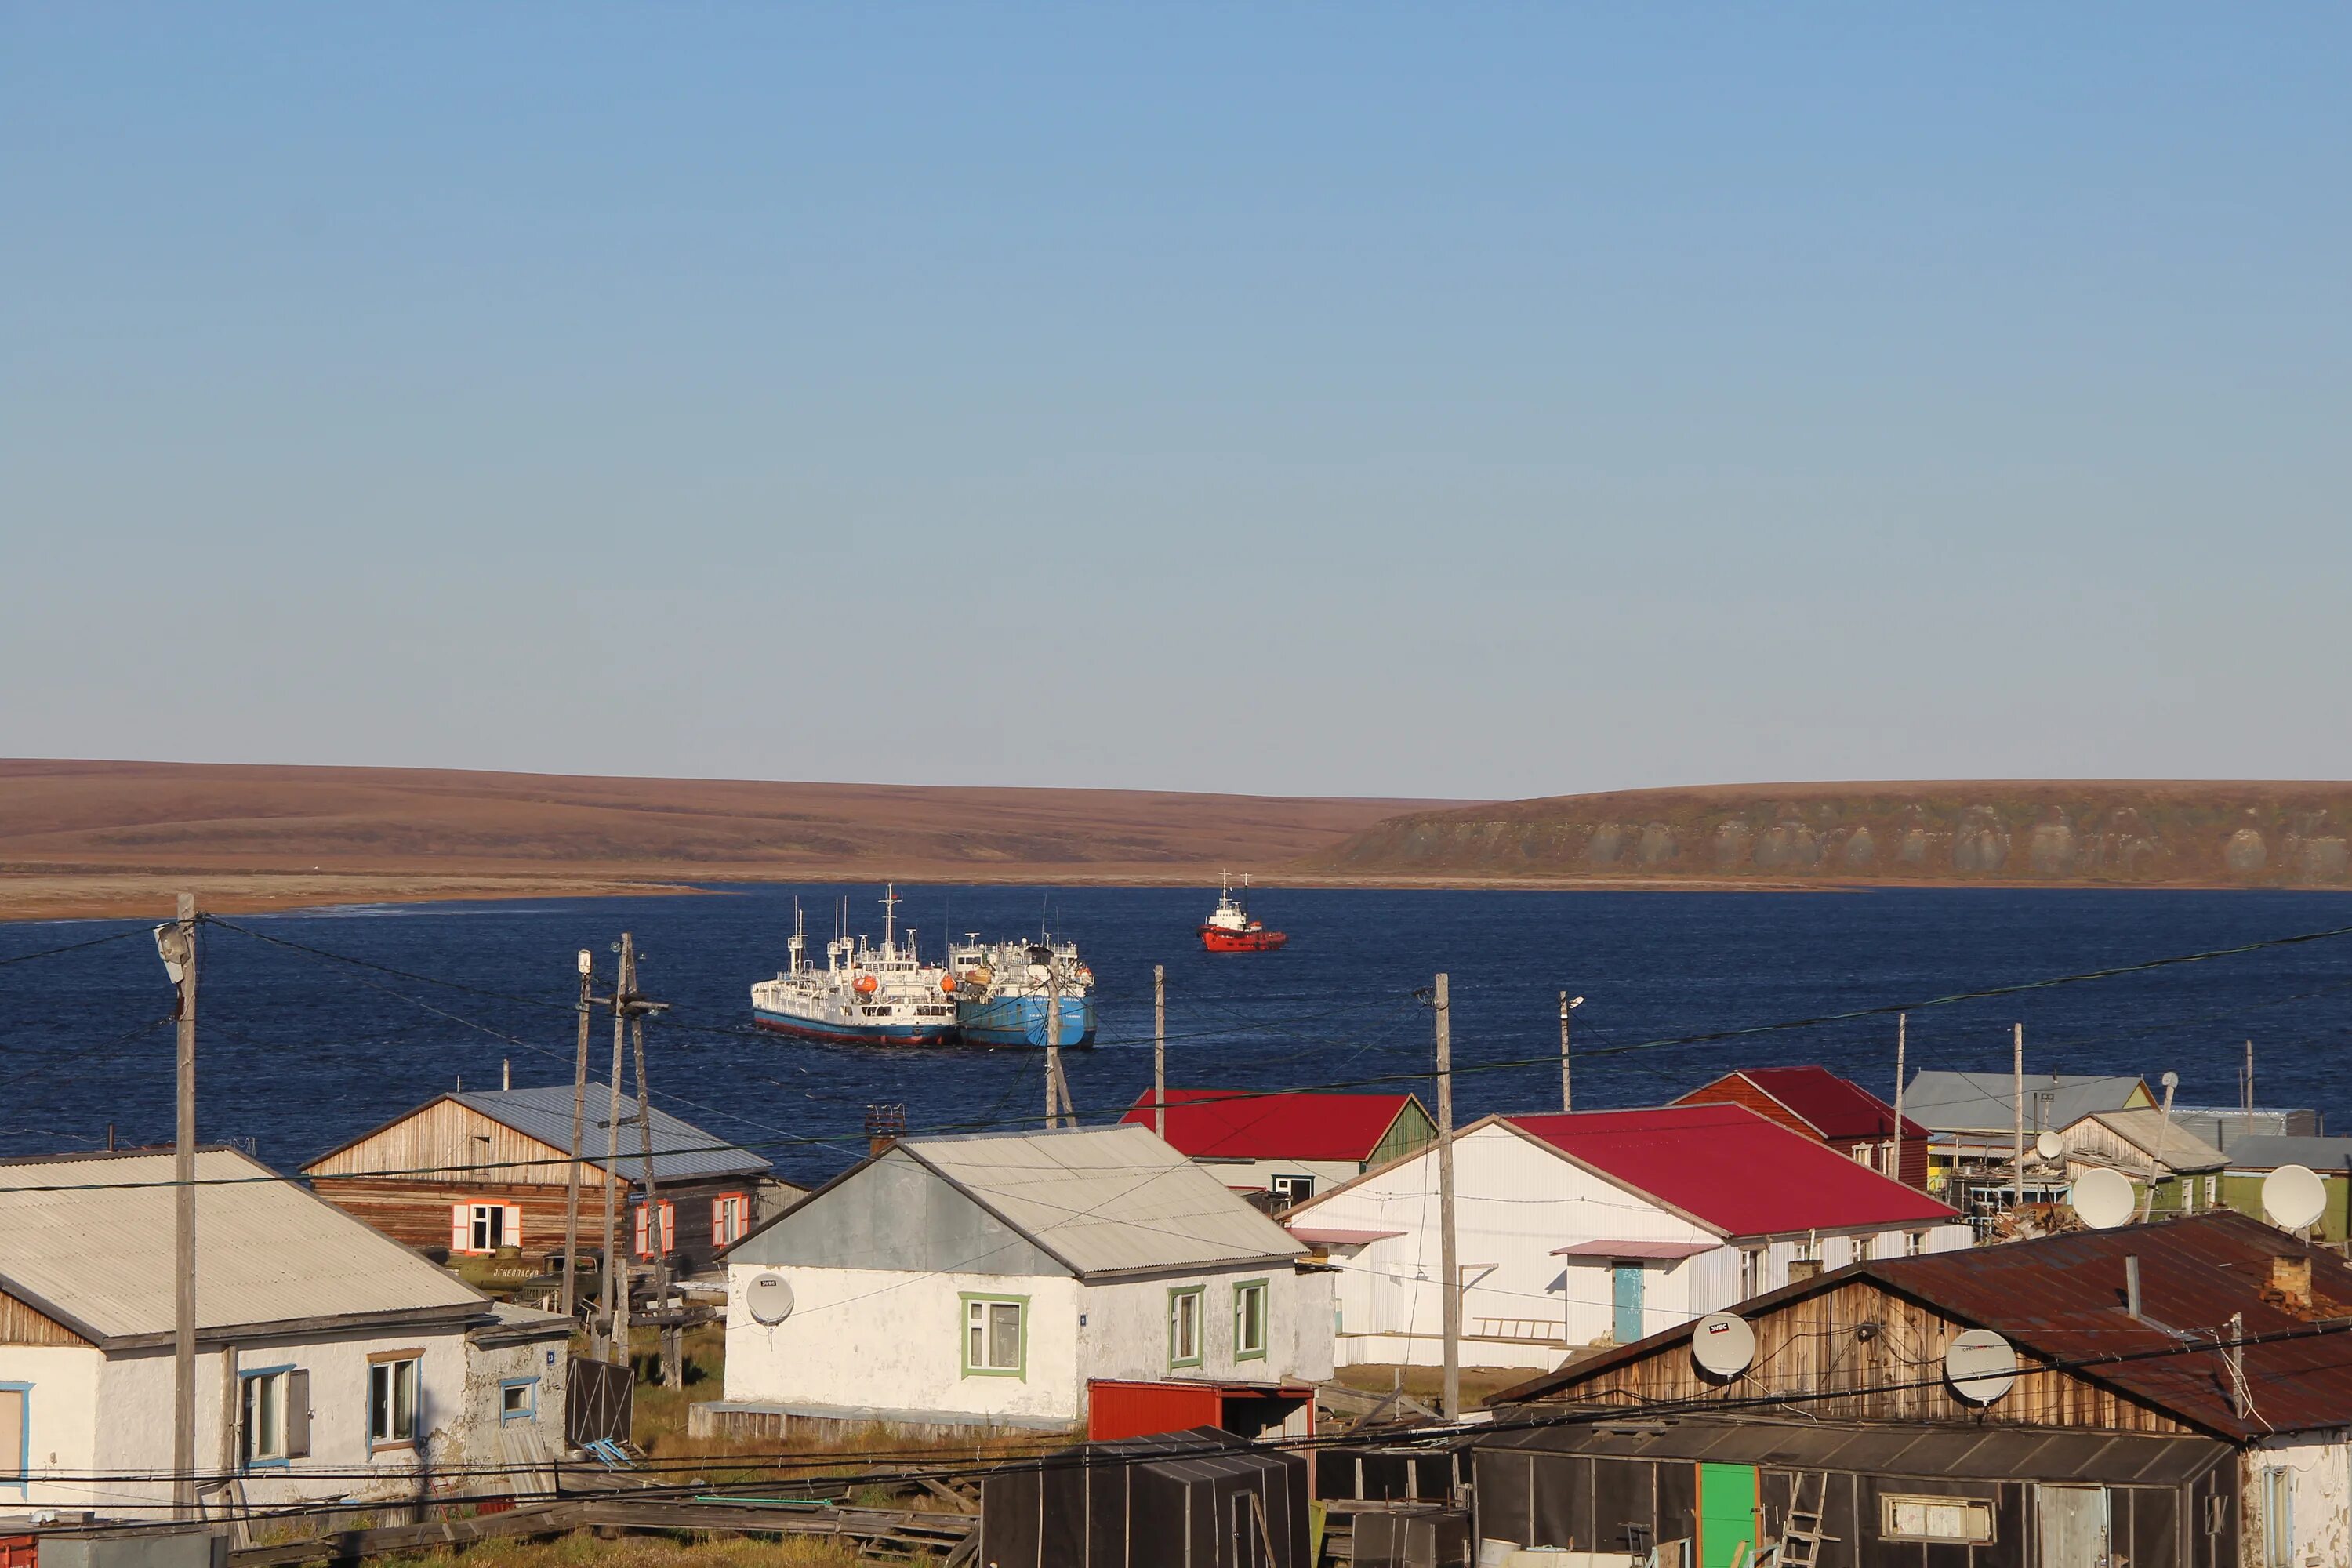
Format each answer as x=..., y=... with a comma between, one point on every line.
x=1801, y=1535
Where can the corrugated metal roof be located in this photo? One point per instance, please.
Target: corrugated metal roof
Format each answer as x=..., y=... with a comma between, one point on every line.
x=96, y=1252
x=1831, y=1106
x=1982, y=1102
x=1218, y=1123
x=1925, y=1452
x=2172, y=1145
x=681, y=1151
x=2267, y=1153
x=1106, y=1199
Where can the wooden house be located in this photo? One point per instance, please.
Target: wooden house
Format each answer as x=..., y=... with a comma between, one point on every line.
x=1838, y=1111
x=475, y=1173
x=2181, y=1398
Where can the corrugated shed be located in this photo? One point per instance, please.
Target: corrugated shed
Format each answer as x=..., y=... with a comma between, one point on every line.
x=1218, y=1123
x=94, y=1249
x=1106, y=1199
x=1731, y=1168
x=1984, y=1101
x=681, y=1151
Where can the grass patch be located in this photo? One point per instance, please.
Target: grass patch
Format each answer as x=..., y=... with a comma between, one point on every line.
x=584, y=1549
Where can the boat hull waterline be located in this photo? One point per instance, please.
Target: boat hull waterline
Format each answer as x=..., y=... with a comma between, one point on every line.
x=1021, y=1021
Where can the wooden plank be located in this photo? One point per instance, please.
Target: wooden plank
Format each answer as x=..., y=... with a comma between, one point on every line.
x=21, y=1324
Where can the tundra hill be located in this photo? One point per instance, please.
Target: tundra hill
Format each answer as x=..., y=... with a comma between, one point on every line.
x=118, y=823
x=2163, y=833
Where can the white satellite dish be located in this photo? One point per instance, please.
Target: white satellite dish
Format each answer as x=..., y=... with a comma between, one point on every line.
x=1722, y=1344
x=2103, y=1199
x=2294, y=1196
x=769, y=1298
x=1980, y=1364
x=2049, y=1145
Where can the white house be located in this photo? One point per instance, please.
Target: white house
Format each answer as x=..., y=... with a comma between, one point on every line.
x=1599, y=1227
x=330, y=1361
x=988, y=1281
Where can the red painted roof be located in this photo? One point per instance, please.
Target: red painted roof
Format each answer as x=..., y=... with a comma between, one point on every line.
x=1233, y=1124
x=1733, y=1170
x=1835, y=1107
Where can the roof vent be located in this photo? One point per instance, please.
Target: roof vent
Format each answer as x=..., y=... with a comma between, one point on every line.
x=2131, y=1284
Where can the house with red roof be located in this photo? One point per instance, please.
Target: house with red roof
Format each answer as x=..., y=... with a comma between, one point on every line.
x=1599, y=1227
x=1837, y=1110
x=1292, y=1145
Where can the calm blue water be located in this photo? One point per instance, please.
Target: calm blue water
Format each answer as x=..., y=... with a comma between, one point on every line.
x=298, y=1054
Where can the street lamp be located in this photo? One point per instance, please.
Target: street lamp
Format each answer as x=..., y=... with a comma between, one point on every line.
x=1567, y=1005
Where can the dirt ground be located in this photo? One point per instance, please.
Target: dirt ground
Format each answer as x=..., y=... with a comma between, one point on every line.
x=584, y=1551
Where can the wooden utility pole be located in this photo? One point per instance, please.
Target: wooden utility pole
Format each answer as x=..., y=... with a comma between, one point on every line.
x=615, y=1271
x=1567, y=1093
x=1900, y=1020
x=1057, y=1088
x=2017, y=1086
x=176, y=944
x=1448, y=1264
x=579, y=1131
x=2237, y=1365
x=2250, y=1082
x=1160, y=1049
x=657, y=1238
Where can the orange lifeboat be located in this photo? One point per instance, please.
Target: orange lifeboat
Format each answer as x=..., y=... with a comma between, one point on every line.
x=865, y=984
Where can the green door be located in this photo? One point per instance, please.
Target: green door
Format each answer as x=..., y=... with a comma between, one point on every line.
x=1727, y=1513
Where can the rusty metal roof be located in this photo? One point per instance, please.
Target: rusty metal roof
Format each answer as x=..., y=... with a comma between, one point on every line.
x=2061, y=1298
x=1885, y=1448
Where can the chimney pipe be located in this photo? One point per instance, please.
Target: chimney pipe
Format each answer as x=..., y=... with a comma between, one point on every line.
x=2131, y=1284
x=2291, y=1281
x=885, y=1125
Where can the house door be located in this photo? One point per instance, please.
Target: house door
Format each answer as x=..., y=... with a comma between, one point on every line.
x=1626, y=1296
x=2073, y=1526
x=1727, y=1513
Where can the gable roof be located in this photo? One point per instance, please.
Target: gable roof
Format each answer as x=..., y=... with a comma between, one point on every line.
x=1984, y=1102
x=2173, y=1146
x=1230, y=1124
x=1736, y=1171
x=1097, y=1200
x=1831, y=1106
x=267, y=1251
x=2061, y=1299
x=682, y=1152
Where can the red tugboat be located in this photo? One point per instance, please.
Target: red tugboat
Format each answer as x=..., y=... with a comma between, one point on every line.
x=1229, y=928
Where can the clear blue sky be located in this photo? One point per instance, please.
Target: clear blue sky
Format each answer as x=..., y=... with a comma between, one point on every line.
x=1464, y=400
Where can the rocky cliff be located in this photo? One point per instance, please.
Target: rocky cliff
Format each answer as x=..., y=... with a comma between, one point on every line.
x=2118, y=834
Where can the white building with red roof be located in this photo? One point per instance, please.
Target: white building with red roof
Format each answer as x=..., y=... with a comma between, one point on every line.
x=1292, y=1145
x=1601, y=1227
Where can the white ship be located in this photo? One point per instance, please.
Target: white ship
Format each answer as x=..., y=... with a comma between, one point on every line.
x=863, y=994
x=1003, y=992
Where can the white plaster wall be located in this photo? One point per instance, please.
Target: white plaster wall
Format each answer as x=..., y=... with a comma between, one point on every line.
x=61, y=1423
x=1125, y=1335
x=1244, y=1175
x=488, y=1368
x=2321, y=1465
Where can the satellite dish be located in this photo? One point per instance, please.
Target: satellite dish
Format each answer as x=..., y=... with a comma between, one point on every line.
x=1722, y=1343
x=2049, y=1145
x=769, y=1296
x=2103, y=1199
x=1980, y=1364
x=2294, y=1196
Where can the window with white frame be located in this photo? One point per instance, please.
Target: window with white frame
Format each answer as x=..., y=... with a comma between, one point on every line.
x=1863, y=1248
x=994, y=1336
x=730, y=1218
x=391, y=1399
x=1752, y=1271
x=484, y=1227
x=1915, y=1242
x=1292, y=1189
x=1968, y=1519
x=273, y=1417
x=1184, y=1326
x=1249, y=1319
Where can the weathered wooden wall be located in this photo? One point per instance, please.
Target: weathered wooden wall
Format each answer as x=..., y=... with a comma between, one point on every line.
x=446, y=1136
x=22, y=1325
x=1816, y=1346
x=417, y=1214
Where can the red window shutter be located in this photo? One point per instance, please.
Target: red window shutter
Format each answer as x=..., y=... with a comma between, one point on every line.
x=461, y=1231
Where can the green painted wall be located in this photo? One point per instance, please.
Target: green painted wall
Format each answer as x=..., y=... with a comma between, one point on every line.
x=1410, y=1130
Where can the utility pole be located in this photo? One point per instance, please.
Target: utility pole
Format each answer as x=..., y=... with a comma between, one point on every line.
x=2156, y=1156
x=1160, y=1049
x=1057, y=1088
x=615, y=1314
x=1900, y=1020
x=657, y=1237
x=176, y=945
x=2017, y=1086
x=1567, y=1005
x=1446, y=1261
x=2250, y=1082
x=2238, y=1365
x=579, y=1131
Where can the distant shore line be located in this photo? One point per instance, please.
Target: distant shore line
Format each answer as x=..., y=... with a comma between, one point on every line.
x=31, y=895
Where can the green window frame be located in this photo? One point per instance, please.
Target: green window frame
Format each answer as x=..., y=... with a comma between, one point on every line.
x=1247, y=1294
x=979, y=1324
x=1186, y=1305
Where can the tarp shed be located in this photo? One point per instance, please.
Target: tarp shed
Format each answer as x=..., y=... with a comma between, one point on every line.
x=1202, y=1498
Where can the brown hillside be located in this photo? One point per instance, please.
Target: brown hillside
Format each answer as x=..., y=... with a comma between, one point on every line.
x=2124, y=833
x=91, y=837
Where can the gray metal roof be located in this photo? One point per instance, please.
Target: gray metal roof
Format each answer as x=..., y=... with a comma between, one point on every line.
x=1106, y=1199
x=2223, y=1124
x=1981, y=1101
x=2267, y=1153
x=1885, y=1448
x=2169, y=1143
x=681, y=1151
x=88, y=1240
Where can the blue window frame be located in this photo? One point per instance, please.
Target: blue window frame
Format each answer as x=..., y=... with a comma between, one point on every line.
x=18, y=1457
x=517, y=1400
x=262, y=1418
